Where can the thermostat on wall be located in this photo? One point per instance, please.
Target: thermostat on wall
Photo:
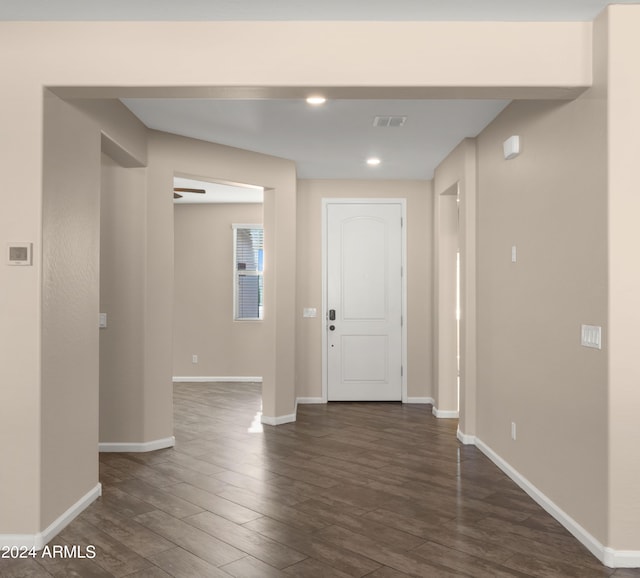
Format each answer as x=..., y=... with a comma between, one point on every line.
x=19, y=253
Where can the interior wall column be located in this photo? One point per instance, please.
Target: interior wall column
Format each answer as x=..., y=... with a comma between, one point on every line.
x=623, y=103
x=455, y=214
x=21, y=145
x=467, y=194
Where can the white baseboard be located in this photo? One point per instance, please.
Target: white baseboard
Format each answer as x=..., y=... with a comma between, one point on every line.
x=424, y=400
x=428, y=400
x=278, y=420
x=126, y=447
x=467, y=440
x=444, y=413
x=621, y=558
x=608, y=556
x=39, y=540
x=309, y=400
x=216, y=379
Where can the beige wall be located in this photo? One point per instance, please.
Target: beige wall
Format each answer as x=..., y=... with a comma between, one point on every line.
x=623, y=82
x=203, y=313
x=123, y=286
x=70, y=268
x=124, y=137
x=21, y=138
x=455, y=59
x=172, y=155
x=141, y=59
x=551, y=203
x=446, y=241
x=84, y=55
x=456, y=227
x=122, y=297
x=309, y=280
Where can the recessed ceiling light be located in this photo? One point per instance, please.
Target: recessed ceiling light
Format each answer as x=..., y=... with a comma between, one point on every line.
x=316, y=100
x=373, y=161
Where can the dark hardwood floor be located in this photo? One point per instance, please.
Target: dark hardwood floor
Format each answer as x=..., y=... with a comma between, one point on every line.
x=381, y=490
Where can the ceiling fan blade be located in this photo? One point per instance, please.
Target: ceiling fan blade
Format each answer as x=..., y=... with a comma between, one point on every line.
x=177, y=196
x=183, y=190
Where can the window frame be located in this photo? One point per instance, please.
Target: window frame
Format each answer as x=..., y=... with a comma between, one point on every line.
x=237, y=273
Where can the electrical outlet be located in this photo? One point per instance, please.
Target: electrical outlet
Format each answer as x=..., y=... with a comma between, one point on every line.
x=513, y=430
x=194, y=359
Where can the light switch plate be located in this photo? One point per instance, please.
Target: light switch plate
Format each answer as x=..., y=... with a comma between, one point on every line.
x=591, y=336
x=102, y=321
x=310, y=312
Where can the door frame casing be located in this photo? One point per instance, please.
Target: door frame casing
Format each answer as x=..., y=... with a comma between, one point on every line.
x=403, y=330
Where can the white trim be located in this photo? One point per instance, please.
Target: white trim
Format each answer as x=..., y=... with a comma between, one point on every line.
x=126, y=447
x=325, y=358
x=39, y=540
x=608, y=556
x=402, y=201
x=404, y=288
x=247, y=226
x=621, y=558
x=428, y=400
x=444, y=413
x=304, y=400
x=466, y=439
x=278, y=420
x=216, y=379
x=420, y=400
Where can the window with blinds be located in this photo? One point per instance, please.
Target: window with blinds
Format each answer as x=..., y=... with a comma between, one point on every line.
x=248, y=251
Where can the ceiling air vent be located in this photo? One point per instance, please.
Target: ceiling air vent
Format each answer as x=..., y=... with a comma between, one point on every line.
x=389, y=121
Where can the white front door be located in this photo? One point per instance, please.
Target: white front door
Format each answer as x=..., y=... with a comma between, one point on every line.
x=364, y=301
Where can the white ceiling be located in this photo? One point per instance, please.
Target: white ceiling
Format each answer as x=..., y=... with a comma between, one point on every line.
x=217, y=192
x=332, y=141
x=398, y=10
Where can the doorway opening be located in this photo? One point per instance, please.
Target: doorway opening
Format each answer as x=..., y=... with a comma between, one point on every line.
x=449, y=313
x=218, y=290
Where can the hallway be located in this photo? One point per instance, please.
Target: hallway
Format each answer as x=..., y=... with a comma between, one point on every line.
x=375, y=489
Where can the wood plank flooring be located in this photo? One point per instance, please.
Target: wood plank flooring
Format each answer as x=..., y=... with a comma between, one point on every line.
x=381, y=490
